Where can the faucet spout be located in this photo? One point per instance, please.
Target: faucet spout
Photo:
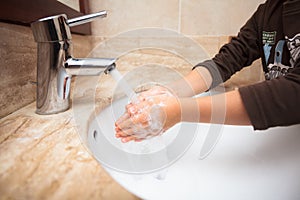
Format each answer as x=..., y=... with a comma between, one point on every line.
x=88, y=66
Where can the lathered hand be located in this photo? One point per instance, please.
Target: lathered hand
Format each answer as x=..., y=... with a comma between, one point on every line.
x=150, y=115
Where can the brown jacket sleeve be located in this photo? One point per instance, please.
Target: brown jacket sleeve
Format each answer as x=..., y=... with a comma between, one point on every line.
x=275, y=102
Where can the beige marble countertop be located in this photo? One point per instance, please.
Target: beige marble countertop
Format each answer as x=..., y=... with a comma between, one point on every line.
x=41, y=157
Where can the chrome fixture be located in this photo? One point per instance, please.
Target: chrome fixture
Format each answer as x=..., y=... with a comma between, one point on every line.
x=55, y=64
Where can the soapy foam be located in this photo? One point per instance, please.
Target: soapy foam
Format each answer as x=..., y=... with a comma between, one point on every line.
x=155, y=120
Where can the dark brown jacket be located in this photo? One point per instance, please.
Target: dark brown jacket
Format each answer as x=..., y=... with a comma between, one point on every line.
x=272, y=34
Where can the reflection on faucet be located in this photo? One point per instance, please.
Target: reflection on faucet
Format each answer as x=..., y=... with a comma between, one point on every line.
x=55, y=65
x=88, y=66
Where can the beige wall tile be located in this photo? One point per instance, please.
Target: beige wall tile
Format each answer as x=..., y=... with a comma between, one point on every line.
x=204, y=17
x=71, y=3
x=82, y=45
x=127, y=15
x=249, y=75
x=224, y=39
x=210, y=44
x=215, y=17
x=190, y=17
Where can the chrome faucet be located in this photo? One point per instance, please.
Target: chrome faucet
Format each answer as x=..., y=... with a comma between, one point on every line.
x=55, y=64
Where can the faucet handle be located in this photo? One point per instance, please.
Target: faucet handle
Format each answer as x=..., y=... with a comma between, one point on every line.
x=57, y=28
x=86, y=18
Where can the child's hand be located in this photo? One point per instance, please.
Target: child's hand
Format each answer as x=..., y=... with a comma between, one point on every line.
x=150, y=115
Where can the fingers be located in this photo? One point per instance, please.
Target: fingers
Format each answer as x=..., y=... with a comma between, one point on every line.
x=132, y=109
x=135, y=138
x=155, y=91
x=121, y=134
x=140, y=119
x=128, y=139
x=132, y=128
x=136, y=123
x=123, y=118
x=139, y=140
x=129, y=120
x=133, y=125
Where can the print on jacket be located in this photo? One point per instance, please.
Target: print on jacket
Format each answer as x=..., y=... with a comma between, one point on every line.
x=293, y=45
x=277, y=69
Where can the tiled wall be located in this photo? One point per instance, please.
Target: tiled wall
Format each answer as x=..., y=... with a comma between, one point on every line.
x=189, y=17
x=18, y=65
x=71, y=3
x=209, y=23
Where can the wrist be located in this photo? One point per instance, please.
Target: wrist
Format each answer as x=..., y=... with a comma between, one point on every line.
x=173, y=112
x=189, y=110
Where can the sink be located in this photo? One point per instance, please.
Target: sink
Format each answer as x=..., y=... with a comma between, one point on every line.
x=245, y=164
x=136, y=157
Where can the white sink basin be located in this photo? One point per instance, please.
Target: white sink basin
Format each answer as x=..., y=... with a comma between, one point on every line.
x=245, y=164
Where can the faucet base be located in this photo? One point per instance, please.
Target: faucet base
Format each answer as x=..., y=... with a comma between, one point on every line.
x=53, y=108
x=41, y=112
